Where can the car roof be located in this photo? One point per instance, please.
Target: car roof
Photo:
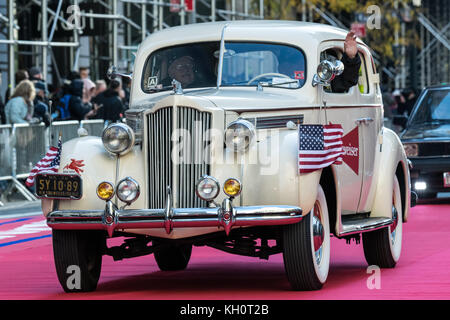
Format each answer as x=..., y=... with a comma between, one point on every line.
x=268, y=30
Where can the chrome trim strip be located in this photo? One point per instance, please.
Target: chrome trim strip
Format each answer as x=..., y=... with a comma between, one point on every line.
x=222, y=50
x=275, y=122
x=226, y=216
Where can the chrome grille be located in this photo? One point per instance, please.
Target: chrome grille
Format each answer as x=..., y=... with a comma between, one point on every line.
x=192, y=141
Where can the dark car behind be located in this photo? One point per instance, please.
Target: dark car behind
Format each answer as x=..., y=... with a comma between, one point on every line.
x=426, y=139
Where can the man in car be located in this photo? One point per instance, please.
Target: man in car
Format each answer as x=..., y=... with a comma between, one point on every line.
x=352, y=63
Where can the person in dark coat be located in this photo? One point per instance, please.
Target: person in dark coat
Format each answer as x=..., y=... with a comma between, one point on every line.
x=78, y=110
x=41, y=109
x=352, y=63
x=108, y=103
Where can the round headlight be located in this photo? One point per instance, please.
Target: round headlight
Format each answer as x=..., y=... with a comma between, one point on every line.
x=207, y=188
x=232, y=187
x=105, y=191
x=325, y=71
x=411, y=149
x=127, y=190
x=239, y=135
x=118, y=138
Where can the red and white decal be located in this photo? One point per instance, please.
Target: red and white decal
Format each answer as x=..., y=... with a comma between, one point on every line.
x=351, y=150
x=299, y=75
x=74, y=165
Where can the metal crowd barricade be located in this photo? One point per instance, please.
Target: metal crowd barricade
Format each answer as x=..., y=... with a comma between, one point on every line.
x=68, y=130
x=93, y=127
x=5, y=151
x=23, y=145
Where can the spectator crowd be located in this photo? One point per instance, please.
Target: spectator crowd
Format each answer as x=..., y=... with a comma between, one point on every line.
x=398, y=103
x=78, y=98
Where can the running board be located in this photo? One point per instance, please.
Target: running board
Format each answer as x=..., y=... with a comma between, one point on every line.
x=352, y=225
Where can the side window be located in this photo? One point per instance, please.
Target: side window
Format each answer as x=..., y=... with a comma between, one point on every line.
x=363, y=80
x=352, y=76
x=331, y=54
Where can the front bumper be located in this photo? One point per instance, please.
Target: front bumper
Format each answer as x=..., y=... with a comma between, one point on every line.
x=225, y=216
x=430, y=170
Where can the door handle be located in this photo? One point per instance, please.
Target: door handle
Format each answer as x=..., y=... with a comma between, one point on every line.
x=363, y=121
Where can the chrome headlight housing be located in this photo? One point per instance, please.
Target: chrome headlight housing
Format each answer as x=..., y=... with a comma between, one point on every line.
x=128, y=190
x=207, y=188
x=239, y=135
x=118, y=138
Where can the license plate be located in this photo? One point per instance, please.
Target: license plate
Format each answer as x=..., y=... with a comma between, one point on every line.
x=58, y=186
x=446, y=179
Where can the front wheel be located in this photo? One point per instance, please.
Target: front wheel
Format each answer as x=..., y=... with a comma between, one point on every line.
x=306, y=248
x=383, y=247
x=78, y=258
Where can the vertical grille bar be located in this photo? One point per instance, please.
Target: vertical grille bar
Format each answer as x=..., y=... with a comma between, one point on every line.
x=194, y=128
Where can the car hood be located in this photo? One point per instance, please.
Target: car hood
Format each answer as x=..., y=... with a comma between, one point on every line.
x=427, y=132
x=241, y=100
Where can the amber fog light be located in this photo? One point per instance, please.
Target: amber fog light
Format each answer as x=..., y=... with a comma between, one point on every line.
x=207, y=188
x=411, y=149
x=128, y=190
x=232, y=187
x=105, y=191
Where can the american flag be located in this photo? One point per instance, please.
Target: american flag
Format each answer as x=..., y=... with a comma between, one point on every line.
x=50, y=163
x=319, y=146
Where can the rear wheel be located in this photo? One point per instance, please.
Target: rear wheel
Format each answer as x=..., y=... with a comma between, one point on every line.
x=172, y=257
x=383, y=247
x=78, y=258
x=306, y=248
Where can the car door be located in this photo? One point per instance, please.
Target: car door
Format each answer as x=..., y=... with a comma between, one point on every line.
x=370, y=125
x=343, y=108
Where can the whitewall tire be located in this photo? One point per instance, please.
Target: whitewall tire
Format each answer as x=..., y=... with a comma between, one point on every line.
x=306, y=248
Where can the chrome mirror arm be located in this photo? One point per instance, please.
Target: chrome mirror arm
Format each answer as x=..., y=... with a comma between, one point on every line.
x=112, y=73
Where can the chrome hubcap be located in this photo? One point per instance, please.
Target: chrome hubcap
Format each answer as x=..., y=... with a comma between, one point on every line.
x=393, y=227
x=318, y=232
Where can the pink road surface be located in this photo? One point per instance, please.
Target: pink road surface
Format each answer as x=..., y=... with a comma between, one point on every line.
x=27, y=269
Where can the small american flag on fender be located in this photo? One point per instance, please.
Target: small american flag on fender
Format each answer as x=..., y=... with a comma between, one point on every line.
x=50, y=163
x=319, y=146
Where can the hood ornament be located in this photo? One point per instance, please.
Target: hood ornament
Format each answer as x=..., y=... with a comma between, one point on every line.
x=177, y=88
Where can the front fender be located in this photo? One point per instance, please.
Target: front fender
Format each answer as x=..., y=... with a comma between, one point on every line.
x=392, y=157
x=98, y=166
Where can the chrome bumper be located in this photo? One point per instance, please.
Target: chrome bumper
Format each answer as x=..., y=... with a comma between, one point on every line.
x=225, y=216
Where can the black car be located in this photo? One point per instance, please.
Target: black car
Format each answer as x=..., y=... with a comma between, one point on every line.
x=426, y=139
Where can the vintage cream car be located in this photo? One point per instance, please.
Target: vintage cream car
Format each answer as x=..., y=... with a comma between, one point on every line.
x=211, y=158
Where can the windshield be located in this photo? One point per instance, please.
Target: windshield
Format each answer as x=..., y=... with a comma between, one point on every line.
x=193, y=65
x=247, y=64
x=434, y=108
x=244, y=64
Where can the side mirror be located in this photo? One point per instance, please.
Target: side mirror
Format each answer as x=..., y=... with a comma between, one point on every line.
x=112, y=73
x=327, y=71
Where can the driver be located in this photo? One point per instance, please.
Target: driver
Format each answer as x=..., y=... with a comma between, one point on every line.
x=182, y=70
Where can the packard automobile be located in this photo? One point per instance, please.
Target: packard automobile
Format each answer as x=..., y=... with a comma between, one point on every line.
x=236, y=140
x=426, y=139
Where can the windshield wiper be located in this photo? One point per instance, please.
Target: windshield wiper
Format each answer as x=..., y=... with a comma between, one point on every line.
x=271, y=84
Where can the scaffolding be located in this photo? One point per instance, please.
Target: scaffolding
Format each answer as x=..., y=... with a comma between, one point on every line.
x=114, y=30
x=60, y=35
